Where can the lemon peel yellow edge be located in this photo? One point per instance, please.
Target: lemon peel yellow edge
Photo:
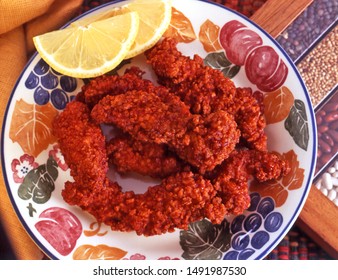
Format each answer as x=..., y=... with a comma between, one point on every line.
x=80, y=73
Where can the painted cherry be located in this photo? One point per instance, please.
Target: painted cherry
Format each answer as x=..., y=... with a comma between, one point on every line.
x=238, y=41
x=60, y=228
x=265, y=69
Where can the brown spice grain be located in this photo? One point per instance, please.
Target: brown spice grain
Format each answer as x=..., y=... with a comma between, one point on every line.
x=319, y=69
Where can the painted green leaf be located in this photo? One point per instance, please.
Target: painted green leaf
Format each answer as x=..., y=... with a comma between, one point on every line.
x=205, y=241
x=31, y=210
x=52, y=168
x=297, y=124
x=38, y=184
x=218, y=60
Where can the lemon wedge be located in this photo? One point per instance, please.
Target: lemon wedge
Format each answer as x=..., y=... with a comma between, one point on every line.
x=155, y=16
x=92, y=50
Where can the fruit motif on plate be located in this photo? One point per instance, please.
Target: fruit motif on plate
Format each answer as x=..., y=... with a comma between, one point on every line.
x=263, y=66
x=60, y=228
x=251, y=231
x=50, y=86
x=238, y=41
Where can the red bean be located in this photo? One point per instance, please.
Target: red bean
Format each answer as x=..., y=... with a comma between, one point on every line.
x=333, y=134
x=319, y=119
x=331, y=117
x=328, y=139
x=326, y=158
x=321, y=113
x=323, y=128
x=331, y=107
x=327, y=126
x=334, y=126
x=325, y=147
x=319, y=153
x=335, y=148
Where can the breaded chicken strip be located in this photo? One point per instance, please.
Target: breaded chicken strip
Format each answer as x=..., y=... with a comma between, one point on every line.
x=99, y=87
x=203, y=142
x=206, y=90
x=145, y=158
x=144, y=116
x=202, y=88
x=249, y=116
x=232, y=176
x=82, y=141
x=179, y=200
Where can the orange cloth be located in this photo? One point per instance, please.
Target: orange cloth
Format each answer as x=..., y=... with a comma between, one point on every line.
x=20, y=20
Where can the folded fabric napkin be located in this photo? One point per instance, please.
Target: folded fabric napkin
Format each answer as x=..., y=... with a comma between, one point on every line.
x=20, y=21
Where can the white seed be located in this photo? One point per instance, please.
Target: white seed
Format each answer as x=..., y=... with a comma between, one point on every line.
x=327, y=181
x=332, y=195
x=336, y=165
x=334, y=181
x=335, y=175
x=318, y=184
x=324, y=191
x=335, y=201
x=332, y=170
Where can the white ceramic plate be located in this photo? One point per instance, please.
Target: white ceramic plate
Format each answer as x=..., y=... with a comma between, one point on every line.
x=35, y=172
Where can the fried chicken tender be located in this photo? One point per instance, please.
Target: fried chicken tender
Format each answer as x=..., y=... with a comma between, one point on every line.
x=186, y=135
x=145, y=158
x=179, y=200
x=249, y=116
x=144, y=116
x=211, y=139
x=104, y=85
x=164, y=119
x=82, y=141
x=206, y=90
x=203, y=89
x=231, y=178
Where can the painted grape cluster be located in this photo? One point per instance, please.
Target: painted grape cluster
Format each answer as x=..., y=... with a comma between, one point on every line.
x=250, y=232
x=50, y=86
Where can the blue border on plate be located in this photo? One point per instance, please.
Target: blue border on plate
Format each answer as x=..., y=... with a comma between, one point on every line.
x=311, y=113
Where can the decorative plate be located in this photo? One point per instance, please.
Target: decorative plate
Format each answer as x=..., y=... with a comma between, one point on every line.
x=35, y=171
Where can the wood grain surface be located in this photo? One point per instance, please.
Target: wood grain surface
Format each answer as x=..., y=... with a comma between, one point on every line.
x=275, y=15
x=318, y=220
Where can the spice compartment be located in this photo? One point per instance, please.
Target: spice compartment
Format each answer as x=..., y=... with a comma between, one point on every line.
x=327, y=182
x=327, y=130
